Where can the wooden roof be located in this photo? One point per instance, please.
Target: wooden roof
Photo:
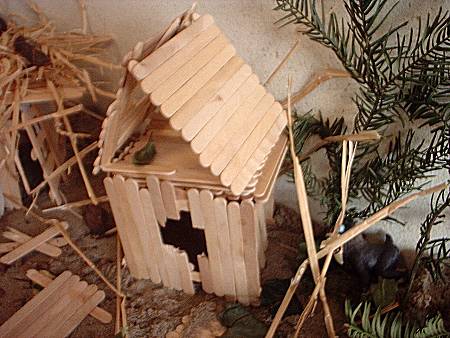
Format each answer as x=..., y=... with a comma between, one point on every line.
x=210, y=97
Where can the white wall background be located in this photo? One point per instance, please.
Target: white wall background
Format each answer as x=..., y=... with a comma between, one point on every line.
x=249, y=25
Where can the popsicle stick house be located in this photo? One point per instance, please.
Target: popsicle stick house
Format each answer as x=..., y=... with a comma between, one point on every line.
x=219, y=147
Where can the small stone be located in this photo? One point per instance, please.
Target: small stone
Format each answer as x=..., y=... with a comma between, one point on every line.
x=186, y=319
x=179, y=328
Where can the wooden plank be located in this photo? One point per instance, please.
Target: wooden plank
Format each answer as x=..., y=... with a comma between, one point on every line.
x=121, y=224
x=195, y=208
x=188, y=52
x=20, y=238
x=223, y=233
x=187, y=71
x=216, y=102
x=212, y=241
x=237, y=252
x=156, y=242
x=181, y=96
x=32, y=244
x=205, y=273
x=155, y=59
x=205, y=93
x=172, y=268
x=250, y=241
x=169, y=200
x=157, y=201
x=137, y=212
x=44, y=281
x=69, y=325
x=240, y=134
x=131, y=227
x=220, y=140
x=38, y=304
x=251, y=143
x=184, y=271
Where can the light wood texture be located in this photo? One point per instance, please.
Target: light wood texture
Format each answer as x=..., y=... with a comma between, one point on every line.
x=210, y=108
x=261, y=233
x=45, y=95
x=205, y=274
x=195, y=208
x=29, y=246
x=205, y=93
x=250, y=243
x=160, y=55
x=156, y=244
x=228, y=129
x=184, y=270
x=43, y=280
x=157, y=201
x=237, y=252
x=181, y=96
x=143, y=231
x=20, y=238
x=223, y=233
x=187, y=71
x=7, y=247
x=121, y=224
x=172, y=266
x=161, y=74
x=212, y=241
x=169, y=200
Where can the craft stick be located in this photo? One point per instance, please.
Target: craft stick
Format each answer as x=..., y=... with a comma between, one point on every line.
x=44, y=281
x=157, y=201
x=131, y=227
x=205, y=93
x=195, y=209
x=133, y=169
x=171, y=265
x=7, y=247
x=184, y=270
x=212, y=241
x=44, y=248
x=251, y=143
x=214, y=125
x=32, y=244
x=45, y=95
x=223, y=233
x=121, y=224
x=41, y=301
x=183, y=38
x=137, y=212
x=261, y=232
x=237, y=252
x=156, y=242
x=220, y=140
x=181, y=96
x=22, y=238
x=66, y=327
x=161, y=74
x=169, y=200
x=205, y=273
x=76, y=204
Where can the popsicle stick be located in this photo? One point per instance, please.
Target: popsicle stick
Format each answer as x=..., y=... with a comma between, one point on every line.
x=7, y=247
x=137, y=212
x=69, y=325
x=214, y=125
x=212, y=241
x=20, y=238
x=44, y=281
x=237, y=252
x=32, y=244
x=157, y=201
x=198, y=101
x=169, y=200
x=121, y=224
x=155, y=59
x=250, y=242
x=162, y=73
x=38, y=304
x=156, y=243
x=197, y=122
x=240, y=134
x=251, y=143
x=181, y=96
x=205, y=273
x=195, y=208
x=223, y=233
x=188, y=70
x=131, y=227
x=172, y=268
x=184, y=270
x=262, y=224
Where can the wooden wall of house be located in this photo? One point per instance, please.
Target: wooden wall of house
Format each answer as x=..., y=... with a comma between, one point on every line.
x=235, y=233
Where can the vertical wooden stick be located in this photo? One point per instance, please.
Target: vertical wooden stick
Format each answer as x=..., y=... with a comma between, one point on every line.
x=118, y=283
